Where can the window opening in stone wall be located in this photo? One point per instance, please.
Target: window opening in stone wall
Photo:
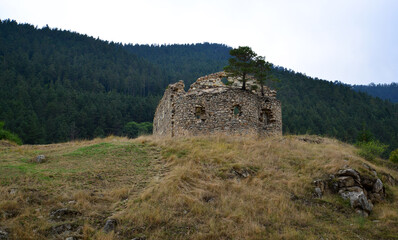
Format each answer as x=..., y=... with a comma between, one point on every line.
x=266, y=116
x=237, y=110
x=200, y=113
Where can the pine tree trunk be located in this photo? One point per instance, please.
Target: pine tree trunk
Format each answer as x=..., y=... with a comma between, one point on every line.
x=244, y=82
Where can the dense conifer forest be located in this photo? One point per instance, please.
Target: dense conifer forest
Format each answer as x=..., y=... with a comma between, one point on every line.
x=383, y=91
x=58, y=85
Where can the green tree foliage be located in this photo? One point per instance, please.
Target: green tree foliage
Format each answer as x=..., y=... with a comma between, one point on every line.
x=57, y=86
x=262, y=72
x=183, y=61
x=383, y=91
x=7, y=135
x=333, y=109
x=365, y=136
x=394, y=156
x=133, y=129
x=372, y=149
x=241, y=64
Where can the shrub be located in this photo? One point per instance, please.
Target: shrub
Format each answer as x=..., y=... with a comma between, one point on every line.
x=372, y=149
x=6, y=135
x=133, y=129
x=394, y=156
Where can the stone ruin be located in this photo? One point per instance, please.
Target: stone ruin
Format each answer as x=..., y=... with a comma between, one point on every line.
x=210, y=106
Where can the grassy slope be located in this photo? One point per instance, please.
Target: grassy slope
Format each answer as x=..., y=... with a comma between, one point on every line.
x=188, y=188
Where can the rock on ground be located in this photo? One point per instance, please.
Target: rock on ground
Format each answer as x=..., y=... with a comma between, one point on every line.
x=361, y=191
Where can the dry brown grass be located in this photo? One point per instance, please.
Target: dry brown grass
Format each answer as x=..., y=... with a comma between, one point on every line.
x=202, y=198
x=91, y=177
x=218, y=187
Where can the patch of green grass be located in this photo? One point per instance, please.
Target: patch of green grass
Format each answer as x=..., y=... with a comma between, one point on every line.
x=135, y=148
x=9, y=172
x=96, y=149
x=179, y=153
x=23, y=168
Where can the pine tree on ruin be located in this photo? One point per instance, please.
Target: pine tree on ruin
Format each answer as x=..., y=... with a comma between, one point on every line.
x=241, y=64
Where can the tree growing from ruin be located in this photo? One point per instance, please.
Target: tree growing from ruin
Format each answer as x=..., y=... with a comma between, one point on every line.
x=262, y=72
x=241, y=64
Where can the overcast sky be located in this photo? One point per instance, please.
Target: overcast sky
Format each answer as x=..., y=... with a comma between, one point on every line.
x=353, y=41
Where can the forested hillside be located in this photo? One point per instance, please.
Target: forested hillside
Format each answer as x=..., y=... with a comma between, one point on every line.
x=333, y=109
x=57, y=86
x=383, y=91
x=187, y=62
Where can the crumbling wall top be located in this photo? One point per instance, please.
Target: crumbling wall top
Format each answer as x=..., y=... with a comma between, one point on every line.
x=177, y=87
x=214, y=81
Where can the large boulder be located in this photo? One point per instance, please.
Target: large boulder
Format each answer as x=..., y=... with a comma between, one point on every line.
x=358, y=200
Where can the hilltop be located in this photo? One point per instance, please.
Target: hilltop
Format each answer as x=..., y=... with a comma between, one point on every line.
x=59, y=86
x=188, y=188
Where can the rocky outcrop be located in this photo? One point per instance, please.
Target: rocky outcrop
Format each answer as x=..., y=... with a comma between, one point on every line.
x=361, y=190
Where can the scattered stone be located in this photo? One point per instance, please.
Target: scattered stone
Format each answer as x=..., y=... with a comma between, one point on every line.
x=318, y=192
x=64, y=228
x=208, y=198
x=40, y=159
x=13, y=191
x=63, y=213
x=358, y=200
x=3, y=235
x=312, y=139
x=367, y=182
x=361, y=191
x=319, y=183
x=345, y=181
x=241, y=173
x=139, y=238
x=372, y=170
x=377, y=186
x=350, y=172
x=71, y=238
x=375, y=197
x=387, y=178
x=110, y=225
x=99, y=177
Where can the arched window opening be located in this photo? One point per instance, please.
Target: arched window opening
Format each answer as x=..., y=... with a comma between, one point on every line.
x=266, y=116
x=200, y=113
x=237, y=110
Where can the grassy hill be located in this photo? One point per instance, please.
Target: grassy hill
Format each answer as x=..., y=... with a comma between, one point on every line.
x=188, y=188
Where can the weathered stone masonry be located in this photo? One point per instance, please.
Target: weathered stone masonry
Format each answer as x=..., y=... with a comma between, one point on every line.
x=210, y=106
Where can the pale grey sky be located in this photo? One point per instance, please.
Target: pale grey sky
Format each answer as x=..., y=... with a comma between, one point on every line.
x=353, y=41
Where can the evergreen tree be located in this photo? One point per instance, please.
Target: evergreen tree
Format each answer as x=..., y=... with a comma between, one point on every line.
x=241, y=64
x=262, y=72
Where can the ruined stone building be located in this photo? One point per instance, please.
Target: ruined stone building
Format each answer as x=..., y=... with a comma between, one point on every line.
x=210, y=106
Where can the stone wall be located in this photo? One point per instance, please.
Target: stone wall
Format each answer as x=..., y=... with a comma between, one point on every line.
x=209, y=107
